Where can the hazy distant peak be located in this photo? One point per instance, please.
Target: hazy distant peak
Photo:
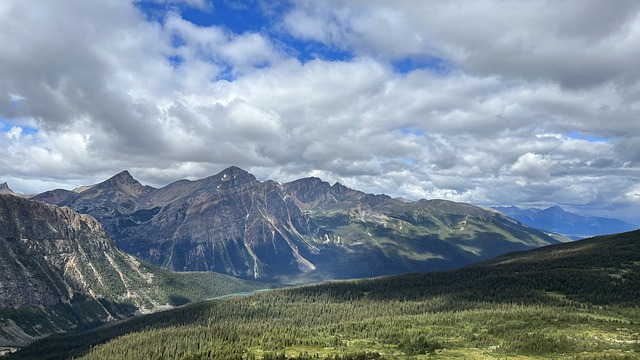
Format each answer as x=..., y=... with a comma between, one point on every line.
x=555, y=209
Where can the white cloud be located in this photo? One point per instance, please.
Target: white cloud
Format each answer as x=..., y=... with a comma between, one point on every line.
x=98, y=83
x=534, y=166
x=15, y=133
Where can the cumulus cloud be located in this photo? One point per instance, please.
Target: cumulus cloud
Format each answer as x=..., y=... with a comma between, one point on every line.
x=535, y=107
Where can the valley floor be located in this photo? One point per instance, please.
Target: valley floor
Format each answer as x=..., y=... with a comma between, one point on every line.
x=266, y=326
x=571, y=301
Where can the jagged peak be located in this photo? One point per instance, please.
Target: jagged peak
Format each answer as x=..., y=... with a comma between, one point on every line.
x=126, y=183
x=338, y=186
x=555, y=208
x=123, y=176
x=234, y=173
x=341, y=189
x=312, y=180
x=4, y=188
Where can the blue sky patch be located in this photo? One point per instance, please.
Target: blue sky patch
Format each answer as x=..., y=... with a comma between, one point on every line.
x=175, y=61
x=239, y=17
x=434, y=64
x=411, y=131
x=6, y=125
x=306, y=51
x=588, y=137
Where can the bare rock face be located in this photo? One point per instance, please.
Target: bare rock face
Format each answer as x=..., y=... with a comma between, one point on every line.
x=230, y=223
x=51, y=254
x=4, y=189
x=59, y=269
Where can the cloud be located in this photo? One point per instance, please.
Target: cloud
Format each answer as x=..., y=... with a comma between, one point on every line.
x=107, y=87
x=15, y=133
x=535, y=166
x=533, y=40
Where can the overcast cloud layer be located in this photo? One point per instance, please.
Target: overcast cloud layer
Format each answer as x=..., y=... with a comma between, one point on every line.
x=528, y=103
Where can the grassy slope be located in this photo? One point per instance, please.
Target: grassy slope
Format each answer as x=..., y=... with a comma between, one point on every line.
x=579, y=300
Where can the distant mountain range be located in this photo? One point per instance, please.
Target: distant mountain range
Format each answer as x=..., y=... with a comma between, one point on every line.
x=59, y=270
x=555, y=219
x=301, y=231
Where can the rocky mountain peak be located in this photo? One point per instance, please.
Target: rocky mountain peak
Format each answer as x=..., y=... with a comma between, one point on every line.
x=339, y=188
x=235, y=172
x=4, y=189
x=555, y=209
x=234, y=176
x=126, y=183
x=124, y=174
x=314, y=183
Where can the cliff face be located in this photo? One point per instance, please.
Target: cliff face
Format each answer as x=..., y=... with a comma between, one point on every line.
x=5, y=189
x=56, y=272
x=59, y=269
x=52, y=253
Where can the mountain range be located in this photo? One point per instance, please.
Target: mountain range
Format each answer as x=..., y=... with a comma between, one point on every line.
x=302, y=231
x=555, y=219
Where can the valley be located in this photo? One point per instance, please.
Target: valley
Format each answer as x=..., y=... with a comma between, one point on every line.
x=577, y=301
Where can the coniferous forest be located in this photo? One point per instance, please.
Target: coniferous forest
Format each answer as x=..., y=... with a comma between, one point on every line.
x=578, y=300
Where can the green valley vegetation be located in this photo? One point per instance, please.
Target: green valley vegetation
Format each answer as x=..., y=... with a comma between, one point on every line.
x=577, y=300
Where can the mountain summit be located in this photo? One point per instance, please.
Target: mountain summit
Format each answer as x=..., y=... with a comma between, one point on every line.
x=301, y=231
x=4, y=189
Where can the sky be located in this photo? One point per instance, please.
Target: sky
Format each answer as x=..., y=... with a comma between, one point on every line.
x=526, y=103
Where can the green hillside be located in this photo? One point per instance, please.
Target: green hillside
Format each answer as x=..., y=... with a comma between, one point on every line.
x=579, y=300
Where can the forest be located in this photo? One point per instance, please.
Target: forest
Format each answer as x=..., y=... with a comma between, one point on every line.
x=579, y=300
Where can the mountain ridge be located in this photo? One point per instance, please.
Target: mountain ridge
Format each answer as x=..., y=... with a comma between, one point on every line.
x=301, y=231
x=556, y=219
